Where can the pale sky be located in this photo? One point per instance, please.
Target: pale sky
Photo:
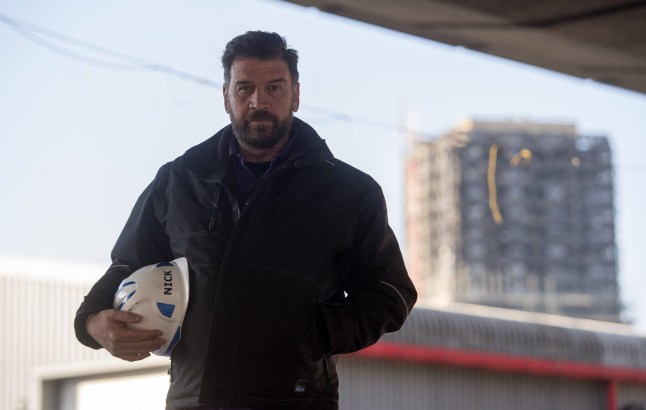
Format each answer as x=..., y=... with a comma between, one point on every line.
x=85, y=121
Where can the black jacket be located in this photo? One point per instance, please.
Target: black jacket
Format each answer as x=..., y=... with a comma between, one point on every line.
x=309, y=270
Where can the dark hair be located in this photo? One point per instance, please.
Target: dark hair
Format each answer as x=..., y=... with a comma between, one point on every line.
x=261, y=45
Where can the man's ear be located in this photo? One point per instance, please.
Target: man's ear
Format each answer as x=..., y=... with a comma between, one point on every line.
x=227, y=106
x=296, y=100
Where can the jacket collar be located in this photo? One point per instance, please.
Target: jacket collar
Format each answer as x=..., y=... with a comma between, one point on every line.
x=210, y=160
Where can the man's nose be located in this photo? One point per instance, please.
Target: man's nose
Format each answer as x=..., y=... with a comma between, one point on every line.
x=259, y=99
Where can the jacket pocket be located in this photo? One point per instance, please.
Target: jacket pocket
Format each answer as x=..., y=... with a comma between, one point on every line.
x=203, y=209
x=279, y=355
x=201, y=222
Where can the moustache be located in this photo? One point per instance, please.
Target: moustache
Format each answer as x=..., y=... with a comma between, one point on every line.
x=261, y=116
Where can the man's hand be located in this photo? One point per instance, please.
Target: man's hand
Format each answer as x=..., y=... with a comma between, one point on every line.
x=108, y=328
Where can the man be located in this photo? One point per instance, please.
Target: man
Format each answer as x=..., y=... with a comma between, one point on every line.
x=292, y=261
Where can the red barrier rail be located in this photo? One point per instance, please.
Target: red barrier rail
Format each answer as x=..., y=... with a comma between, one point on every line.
x=611, y=375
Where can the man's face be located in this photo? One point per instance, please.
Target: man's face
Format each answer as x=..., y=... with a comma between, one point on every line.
x=260, y=99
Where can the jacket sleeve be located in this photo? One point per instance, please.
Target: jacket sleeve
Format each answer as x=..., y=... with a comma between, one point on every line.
x=142, y=242
x=379, y=292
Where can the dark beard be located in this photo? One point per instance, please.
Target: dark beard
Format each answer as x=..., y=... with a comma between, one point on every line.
x=261, y=137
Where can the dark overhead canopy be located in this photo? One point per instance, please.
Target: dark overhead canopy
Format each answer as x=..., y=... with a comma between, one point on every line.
x=604, y=40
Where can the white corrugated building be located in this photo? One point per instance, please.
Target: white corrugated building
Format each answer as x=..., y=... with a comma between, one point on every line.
x=39, y=354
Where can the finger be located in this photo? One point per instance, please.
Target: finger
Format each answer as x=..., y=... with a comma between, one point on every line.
x=125, y=317
x=135, y=335
x=134, y=357
x=132, y=350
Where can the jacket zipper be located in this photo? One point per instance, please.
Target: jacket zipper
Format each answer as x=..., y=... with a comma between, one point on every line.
x=237, y=214
x=214, y=213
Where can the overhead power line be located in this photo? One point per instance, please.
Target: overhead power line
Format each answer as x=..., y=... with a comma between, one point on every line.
x=41, y=36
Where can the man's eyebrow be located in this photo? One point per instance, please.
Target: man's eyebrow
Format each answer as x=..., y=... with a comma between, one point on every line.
x=246, y=82
x=276, y=82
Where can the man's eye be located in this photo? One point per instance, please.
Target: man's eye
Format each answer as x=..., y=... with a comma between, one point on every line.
x=274, y=88
x=245, y=89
